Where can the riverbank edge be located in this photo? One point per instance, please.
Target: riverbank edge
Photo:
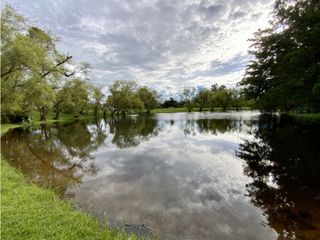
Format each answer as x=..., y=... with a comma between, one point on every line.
x=29, y=211
x=184, y=109
x=305, y=116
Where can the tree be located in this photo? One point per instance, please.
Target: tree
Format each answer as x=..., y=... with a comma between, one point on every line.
x=30, y=66
x=224, y=98
x=203, y=98
x=237, y=99
x=188, y=97
x=170, y=103
x=285, y=73
x=218, y=96
x=77, y=97
x=123, y=97
x=97, y=98
x=148, y=97
x=213, y=101
x=41, y=97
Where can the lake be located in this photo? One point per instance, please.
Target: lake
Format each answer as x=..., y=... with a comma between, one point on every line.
x=234, y=175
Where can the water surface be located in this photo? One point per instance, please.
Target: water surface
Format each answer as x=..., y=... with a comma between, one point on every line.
x=184, y=175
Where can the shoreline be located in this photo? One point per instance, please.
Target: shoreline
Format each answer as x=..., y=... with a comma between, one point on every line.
x=29, y=211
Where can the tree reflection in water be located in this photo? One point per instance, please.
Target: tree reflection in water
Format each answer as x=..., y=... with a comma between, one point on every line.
x=282, y=157
x=130, y=131
x=284, y=163
x=54, y=156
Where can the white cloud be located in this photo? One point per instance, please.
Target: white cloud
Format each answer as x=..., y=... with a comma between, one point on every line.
x=162, y=44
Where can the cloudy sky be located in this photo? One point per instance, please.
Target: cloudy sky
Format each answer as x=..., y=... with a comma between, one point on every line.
x=163, y=44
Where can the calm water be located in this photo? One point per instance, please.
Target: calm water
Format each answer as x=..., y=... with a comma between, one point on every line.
x=185, y=176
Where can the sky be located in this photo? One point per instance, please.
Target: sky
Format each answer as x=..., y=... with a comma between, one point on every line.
x=163, y=44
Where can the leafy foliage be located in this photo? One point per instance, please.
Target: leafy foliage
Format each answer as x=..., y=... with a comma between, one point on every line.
x=34, y=72
x=125, y=97
x=148, y=97
x=285, y=73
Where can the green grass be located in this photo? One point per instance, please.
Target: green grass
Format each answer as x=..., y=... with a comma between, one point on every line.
x=306, y=116
x=32, y=212
x=5, y=127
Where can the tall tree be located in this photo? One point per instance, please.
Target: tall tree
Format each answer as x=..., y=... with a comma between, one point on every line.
x=203, y=98
x=30, y=66
x=123, y=97
x=97, y=98
x=148, y=97
x=189, y=94
x=285, y=73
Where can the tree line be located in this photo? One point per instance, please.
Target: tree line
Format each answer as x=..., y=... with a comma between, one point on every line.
x=215, y=97
x=36, y=77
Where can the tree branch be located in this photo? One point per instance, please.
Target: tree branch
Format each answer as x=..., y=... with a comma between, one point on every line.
x=12, y=69
x=57, y=65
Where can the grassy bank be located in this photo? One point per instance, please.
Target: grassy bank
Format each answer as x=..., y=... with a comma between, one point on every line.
x=32, y=212
x=306, y=116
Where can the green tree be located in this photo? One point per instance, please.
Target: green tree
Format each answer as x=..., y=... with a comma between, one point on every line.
x=123, y=97
x=203, y=98
x=223, y=98
x=77, y=97
x=189, y=94
x=148, y=98
x=40, y=97
x=30, y=64
x=285, y=73
x=97, y=98
x=237, y=98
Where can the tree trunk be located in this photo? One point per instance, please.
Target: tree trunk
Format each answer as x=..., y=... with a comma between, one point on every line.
x=57, y=115
x=43, y=117
x=96, y=111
